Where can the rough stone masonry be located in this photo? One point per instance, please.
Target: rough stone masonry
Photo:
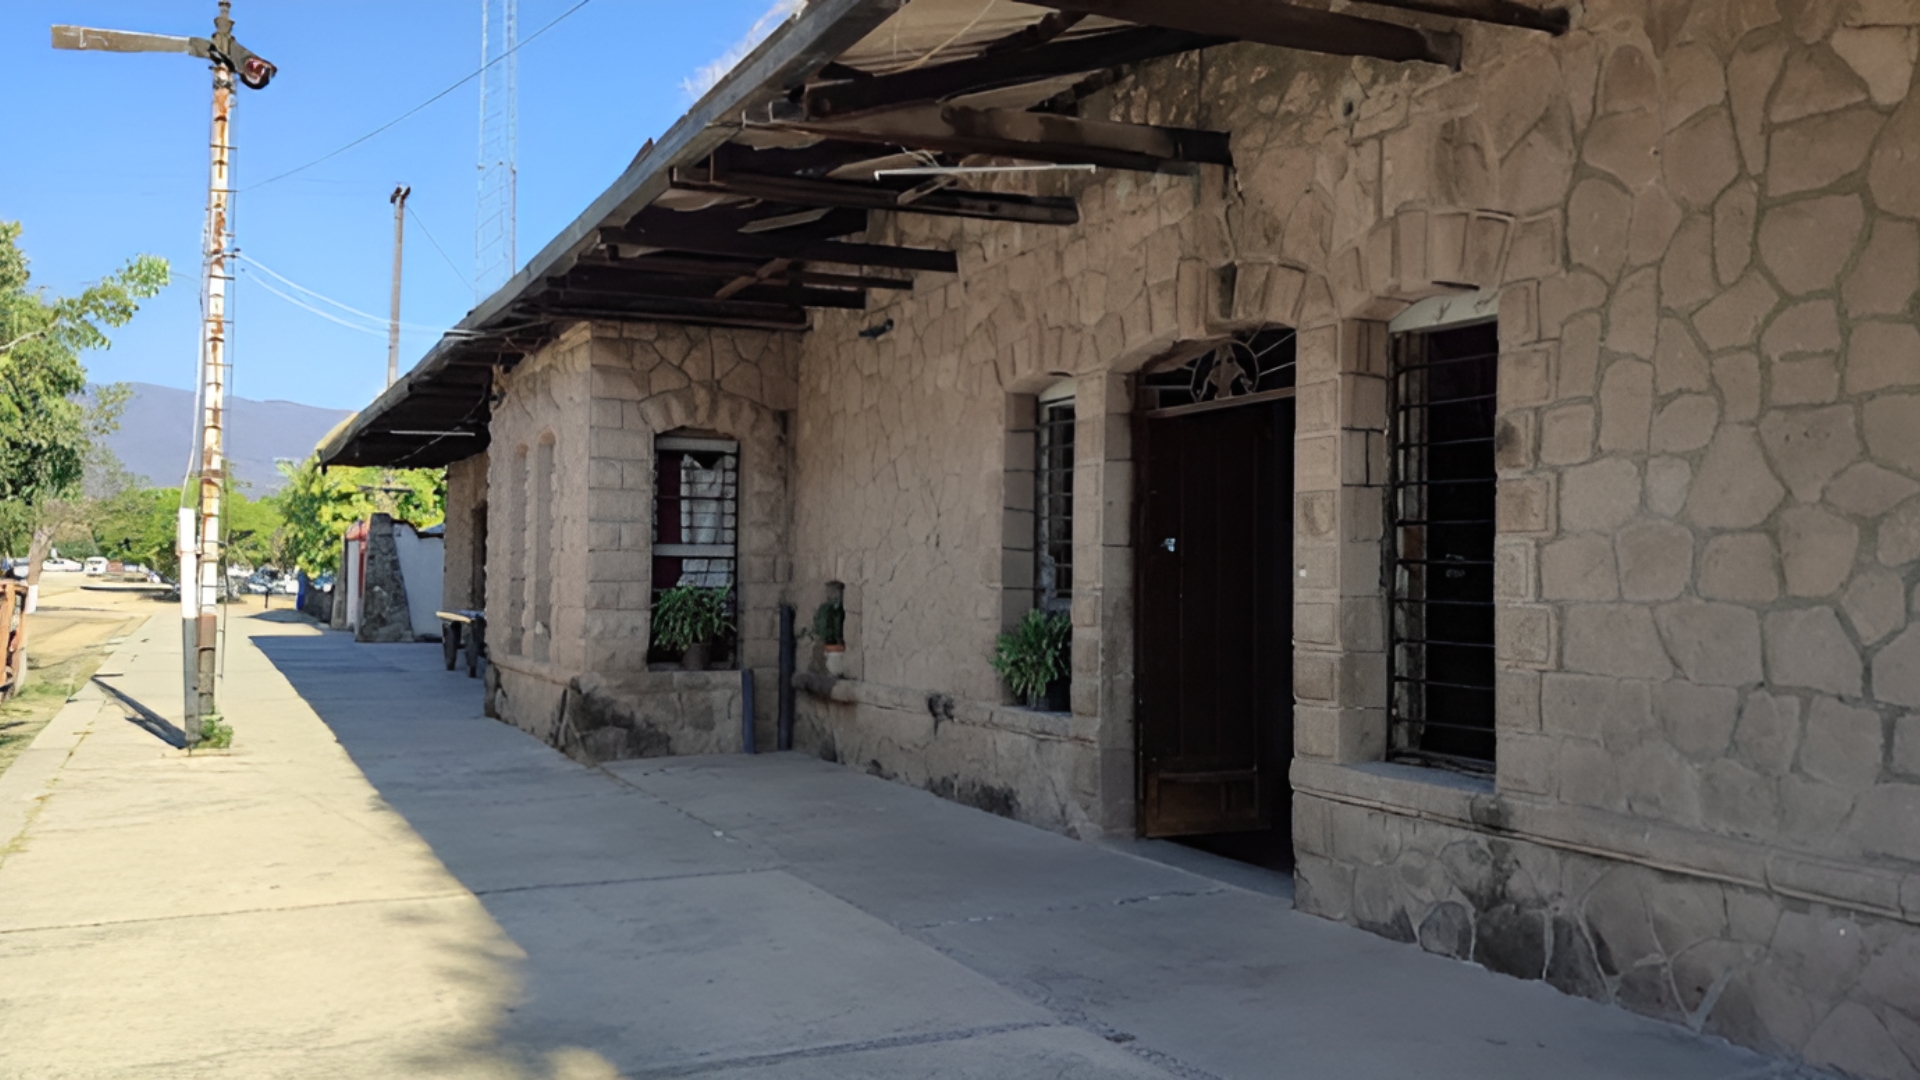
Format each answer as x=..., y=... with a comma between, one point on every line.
x=1700, y=224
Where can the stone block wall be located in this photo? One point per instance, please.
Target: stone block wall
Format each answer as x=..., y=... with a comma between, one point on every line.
x=463, y=583
x=1696, y=222
x=602, y=393
x=1699, y=226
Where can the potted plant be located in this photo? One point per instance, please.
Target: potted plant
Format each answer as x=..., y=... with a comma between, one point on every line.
x=1033, y=655
x=830, y=626
x=690, y=618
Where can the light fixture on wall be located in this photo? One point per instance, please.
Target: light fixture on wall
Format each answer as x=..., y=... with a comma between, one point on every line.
x=877, y=330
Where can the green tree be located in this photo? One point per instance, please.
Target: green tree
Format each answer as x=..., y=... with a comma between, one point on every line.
x=319, y=505
x=139, y=525
x=255, y=530
x=45, y=429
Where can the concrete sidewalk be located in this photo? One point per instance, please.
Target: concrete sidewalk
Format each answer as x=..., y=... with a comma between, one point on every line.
x=379, y=882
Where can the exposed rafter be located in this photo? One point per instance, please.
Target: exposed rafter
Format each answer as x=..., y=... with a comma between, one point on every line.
x=1502, y=12
x=729, y=268
x=1271, y=22
x=593, y=283
x=1034, y=137
x=658, y=232
x=706, y=312
x=996, y=70
x=949, y=202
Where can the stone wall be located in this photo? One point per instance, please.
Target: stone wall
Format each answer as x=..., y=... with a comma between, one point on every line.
x=1700, y=228
x=1697, y=223
x=600, y=394
x=463, y=581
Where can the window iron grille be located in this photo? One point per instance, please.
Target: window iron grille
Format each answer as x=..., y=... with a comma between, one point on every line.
x=1440, y=506
x=1053, y=506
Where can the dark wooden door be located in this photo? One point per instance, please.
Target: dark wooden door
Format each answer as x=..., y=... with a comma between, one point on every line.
x=1215, y=659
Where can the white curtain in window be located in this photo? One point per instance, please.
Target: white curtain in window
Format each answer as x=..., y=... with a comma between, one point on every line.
x=706, y=518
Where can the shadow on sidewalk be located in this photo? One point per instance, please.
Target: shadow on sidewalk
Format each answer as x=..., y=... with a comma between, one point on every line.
x=710, y=916
x=279, y=615
x=144, y=718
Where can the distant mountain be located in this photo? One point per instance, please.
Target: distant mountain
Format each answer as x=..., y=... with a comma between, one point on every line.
x=156, y=436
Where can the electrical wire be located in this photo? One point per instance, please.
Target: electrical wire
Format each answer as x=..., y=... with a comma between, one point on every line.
x=441, y=250
x=383, y=127
x=957, y=35
x=381, y=324
x=327, y=315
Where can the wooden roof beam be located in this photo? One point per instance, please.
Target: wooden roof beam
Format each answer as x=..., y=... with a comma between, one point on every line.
x=1553, y=21
x=731, y=268
x=1271, y=22
x=1034, y=137
x=705, y=312
x=806, y=191
x=837, y=100
x=590, y=286
x=689, y=237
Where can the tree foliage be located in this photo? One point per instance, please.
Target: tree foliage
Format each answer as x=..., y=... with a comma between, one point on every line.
x=139, y=525
x=44, y=427
x=319, y=505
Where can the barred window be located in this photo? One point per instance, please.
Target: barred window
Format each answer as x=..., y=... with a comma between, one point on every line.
x=1053, y=501
x=1440, y=572
x=696, y=514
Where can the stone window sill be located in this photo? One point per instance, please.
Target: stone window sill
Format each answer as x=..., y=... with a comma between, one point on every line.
x=1396, y=786
x=1011, y=718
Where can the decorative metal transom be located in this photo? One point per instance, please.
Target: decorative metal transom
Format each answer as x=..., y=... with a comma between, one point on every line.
x=1259, y=362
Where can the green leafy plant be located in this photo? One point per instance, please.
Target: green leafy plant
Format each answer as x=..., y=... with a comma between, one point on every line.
x=830, y=622
x=215, y=732
x=1033, y=654
x=688, y=615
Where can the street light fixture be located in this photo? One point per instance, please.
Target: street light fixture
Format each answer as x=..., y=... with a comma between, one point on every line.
x=199, y=537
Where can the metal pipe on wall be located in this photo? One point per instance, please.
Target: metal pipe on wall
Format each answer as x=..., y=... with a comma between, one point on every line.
x=783, y=740
x=746, y=711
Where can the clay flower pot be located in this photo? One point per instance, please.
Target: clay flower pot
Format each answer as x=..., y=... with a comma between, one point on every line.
x=695, y=657
x=836, y=657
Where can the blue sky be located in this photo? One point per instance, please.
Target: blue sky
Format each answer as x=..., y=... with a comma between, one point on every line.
x=116, y=162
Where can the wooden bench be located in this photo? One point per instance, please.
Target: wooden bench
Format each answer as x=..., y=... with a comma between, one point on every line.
x=474, y=625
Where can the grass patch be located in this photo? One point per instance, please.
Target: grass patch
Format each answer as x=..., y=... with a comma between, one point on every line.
x=47, y=690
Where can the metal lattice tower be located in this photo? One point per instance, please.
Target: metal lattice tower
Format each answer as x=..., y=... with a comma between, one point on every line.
x=494, y=256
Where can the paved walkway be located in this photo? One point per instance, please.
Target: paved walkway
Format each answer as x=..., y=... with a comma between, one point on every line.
x=379, y=882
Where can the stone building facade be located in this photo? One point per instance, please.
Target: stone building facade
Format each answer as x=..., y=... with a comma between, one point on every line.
x=1696, y=228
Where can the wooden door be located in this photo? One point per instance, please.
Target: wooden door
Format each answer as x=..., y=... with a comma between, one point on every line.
x=1214, y=667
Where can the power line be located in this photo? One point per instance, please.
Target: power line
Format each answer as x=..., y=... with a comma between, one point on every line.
x=436, y=246
x=327, y=315
x=383, y=127
x=375, y=320
x=325, y=299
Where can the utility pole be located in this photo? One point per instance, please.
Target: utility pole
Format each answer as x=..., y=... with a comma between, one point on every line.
x=399, y=201
x=199, y=540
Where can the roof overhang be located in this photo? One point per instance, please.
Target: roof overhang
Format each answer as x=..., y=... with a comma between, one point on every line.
x=740, y=214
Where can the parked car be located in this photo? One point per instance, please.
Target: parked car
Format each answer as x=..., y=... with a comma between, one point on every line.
x=57, y=565
x=96, y=566
x=14, y=568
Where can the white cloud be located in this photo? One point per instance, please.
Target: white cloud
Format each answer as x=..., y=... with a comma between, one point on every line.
x=704, y=79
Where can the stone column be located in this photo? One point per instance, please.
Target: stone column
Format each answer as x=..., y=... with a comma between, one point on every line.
x=1340, y=661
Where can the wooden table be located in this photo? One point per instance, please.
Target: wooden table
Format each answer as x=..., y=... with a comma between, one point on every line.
x=474, y=625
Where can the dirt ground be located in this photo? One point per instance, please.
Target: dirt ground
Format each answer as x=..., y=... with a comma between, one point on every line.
x=66, y=640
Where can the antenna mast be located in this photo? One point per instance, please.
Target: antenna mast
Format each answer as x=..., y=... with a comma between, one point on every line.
x=494, y=256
